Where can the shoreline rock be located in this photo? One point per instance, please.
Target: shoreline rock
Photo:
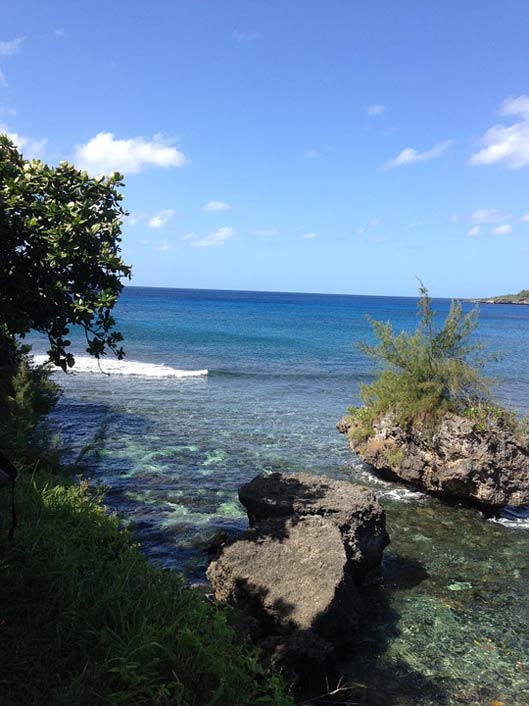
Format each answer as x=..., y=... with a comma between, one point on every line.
x=489, y=467
x=298, y=570
x=354, y=509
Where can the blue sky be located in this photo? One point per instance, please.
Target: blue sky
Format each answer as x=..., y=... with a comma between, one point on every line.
x=291, y=145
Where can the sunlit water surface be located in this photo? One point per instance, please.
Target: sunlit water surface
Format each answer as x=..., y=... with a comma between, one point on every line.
x=449, y=623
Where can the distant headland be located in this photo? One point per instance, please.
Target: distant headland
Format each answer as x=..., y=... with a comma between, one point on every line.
x=520, y=298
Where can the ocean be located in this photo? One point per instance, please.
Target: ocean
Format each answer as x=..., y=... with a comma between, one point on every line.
x=218, y=386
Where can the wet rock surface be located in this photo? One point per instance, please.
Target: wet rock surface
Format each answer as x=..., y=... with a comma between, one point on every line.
x=487, y=466
x=298, y=570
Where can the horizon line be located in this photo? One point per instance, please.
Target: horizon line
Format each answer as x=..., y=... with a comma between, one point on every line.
x=278, y=291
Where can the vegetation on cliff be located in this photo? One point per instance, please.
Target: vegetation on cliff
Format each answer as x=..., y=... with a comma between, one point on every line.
x=428, y=373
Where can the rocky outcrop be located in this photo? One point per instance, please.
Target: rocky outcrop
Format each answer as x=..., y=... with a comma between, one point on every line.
x=297, y=570
x=458, y=458
x=352, y=508
x=290, y=575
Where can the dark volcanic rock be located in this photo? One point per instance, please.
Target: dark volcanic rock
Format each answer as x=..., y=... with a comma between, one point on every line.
x=352, y=508
x=290, y=574
x=459, y=459
x=298, y=568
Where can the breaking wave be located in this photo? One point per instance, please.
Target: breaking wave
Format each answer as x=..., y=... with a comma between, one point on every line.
x=514, y=517
x=85, y=364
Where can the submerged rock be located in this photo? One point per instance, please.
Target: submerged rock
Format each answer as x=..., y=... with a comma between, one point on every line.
x=298, y=569
x=459, y=459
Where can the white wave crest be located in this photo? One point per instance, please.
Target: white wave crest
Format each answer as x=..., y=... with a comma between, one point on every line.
x=387, y=488
x=513, y=524
x=403, y=494
x=513, y=517
x=86, y=364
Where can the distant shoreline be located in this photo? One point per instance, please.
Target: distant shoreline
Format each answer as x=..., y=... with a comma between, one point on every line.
x=500, y=300
x=521, y=298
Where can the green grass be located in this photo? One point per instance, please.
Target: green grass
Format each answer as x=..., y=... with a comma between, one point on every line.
x=86, y=620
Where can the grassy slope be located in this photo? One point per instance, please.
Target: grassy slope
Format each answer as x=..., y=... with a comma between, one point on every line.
x=86, y=620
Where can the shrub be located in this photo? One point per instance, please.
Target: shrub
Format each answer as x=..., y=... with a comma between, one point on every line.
x=425, y=373
x=27, y=395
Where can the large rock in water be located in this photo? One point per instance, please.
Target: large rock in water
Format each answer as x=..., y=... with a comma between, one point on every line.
x=290, y=575
x=352, y=508
x=297, y=568
x=459, y=459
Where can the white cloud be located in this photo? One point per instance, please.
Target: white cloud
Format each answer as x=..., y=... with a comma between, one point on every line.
x=245, y=36
x=30, y=147
x=310, y=236
x=375, y=110
x=161, y=218
x=372, y=223
x=505, y=229
x=11, y=46
x=59, y=32
x=525, y=217
x=413, y=225
x=475, y=230
x=104, y=154
x=216, y=206
x=3, y=79
x=411, y=156
x=134, y=218
x=312, y=153
x=507, y=145
x=215, y=239
x=316, y=152
x=266, y=232
x=487, y=215
x=164, y=246
x=516, y=106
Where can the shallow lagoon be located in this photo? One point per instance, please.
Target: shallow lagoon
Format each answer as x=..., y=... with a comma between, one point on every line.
x=449, y=622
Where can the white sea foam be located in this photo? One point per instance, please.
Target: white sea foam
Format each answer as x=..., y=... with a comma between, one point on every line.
x=513, y=524
x=109, y=366
x=386, y=488
x=403, y=494
x=514, y=517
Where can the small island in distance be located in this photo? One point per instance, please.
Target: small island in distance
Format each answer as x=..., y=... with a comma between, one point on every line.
x=521, y=298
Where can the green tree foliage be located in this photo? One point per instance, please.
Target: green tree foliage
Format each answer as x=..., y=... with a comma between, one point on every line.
x=60, y=262
x=429, y=372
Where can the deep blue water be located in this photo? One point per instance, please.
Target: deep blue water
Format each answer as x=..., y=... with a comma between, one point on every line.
x=452, y=623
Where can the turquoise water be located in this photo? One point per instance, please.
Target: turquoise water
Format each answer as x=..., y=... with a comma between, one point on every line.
x=448, y=624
